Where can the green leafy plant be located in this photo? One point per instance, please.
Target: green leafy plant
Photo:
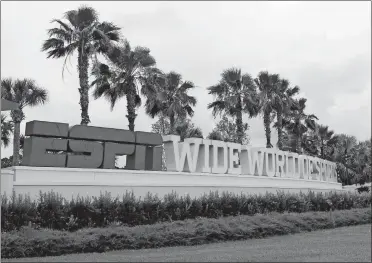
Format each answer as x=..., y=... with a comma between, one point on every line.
x=54, y=212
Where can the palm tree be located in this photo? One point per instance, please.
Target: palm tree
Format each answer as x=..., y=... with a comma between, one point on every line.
x=327, y=141
x=26, y=93
x=82, y=32
x=172, y=99
x=282, y=106
x=235, y=94
x=297, y=123
x=6, y=130
x=268, y=96
x=128, y=71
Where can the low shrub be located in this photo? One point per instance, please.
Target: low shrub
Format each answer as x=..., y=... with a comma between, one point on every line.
x=29, y=242
x=54, y=212
x=363, y=189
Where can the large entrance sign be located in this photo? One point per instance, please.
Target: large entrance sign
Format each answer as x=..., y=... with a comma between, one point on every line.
x=80, y=160
x=96, y=147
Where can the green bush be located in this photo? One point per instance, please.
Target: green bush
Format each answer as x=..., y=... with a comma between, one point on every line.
x=29, y=242
x=54, y=212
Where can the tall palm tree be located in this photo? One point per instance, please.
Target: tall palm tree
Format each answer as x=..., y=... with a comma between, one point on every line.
x=172, y=99
x=282, y=106
x=297, y=122
x=327, y=141
x=82, y=32
x=25, y=92
x=235, y=95
x=268, y=96
x=128, y=72
x=6, y=130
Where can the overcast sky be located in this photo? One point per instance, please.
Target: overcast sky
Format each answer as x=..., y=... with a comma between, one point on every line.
x=323, y=47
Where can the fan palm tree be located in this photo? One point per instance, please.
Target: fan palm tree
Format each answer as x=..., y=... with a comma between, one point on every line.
x=128, y=72
x=235, y=95
x=275, y=98
x=82, y=32
x=283, y=105
x=6, y=130
x=26, y=93
x=172, y=99
x=268, y=96
x=297, y=123
x=327, y=141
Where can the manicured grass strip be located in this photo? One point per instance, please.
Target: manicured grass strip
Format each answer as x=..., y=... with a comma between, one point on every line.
x=328, y=245
x=38, y=243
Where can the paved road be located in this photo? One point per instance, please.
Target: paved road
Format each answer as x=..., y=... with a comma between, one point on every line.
x=347, y=244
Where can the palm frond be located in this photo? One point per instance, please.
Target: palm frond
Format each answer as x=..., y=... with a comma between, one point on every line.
x=110, y=30
x=85, y=16
x=217, y=106
x=55, y=47
x=231, y=76
x=63, y=25
x=61, y=34
x=6, y=89
x=174, y=79
x=218, y=89
x=186, y=85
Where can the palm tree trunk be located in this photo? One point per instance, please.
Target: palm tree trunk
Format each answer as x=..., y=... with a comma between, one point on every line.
x=239, y=123
x=280, y=130
x=83, y=64
x=16, y=143
x=162, y=125
x=131, y=108
x=298, y=144
x=298, y=137
x=267, y=129
x=172, y=123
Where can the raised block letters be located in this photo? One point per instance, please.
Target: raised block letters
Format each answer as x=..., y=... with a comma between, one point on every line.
x=89, y=147
x=209, y=156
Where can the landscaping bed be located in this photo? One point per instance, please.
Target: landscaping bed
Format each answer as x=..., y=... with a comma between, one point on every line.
x=54, y=212
x=29, y=242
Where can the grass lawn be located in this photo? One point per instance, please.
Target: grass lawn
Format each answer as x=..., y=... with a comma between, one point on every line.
x=345, y=244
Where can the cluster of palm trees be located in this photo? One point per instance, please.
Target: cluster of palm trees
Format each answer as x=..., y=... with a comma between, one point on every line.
x=118, y=70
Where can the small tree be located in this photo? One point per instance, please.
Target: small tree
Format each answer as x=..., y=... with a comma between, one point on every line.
x=6, y=130
x=26, y=93
x=225, y=130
